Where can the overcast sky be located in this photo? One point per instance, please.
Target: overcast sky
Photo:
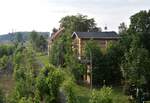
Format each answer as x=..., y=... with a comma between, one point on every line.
x=43, y=15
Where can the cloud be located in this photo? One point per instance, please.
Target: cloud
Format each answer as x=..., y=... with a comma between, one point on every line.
x=43, y=15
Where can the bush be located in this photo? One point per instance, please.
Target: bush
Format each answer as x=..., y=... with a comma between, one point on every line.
x=102, y=96
x=70, y=92
x=48, y=83
x=25, y=100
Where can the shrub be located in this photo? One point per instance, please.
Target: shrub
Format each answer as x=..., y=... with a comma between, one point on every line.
x=101, y=96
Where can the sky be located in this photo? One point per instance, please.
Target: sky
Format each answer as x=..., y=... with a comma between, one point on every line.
x=44, y=15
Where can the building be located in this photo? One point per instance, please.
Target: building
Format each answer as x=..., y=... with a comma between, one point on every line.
x=102, y=38
x=53, y=37
x=79, y=41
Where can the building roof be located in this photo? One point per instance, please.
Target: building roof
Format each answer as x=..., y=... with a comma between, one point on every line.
x=55, y=35
x=97, y=35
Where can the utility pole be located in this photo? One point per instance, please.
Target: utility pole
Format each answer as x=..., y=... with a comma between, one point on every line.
x=91, y=68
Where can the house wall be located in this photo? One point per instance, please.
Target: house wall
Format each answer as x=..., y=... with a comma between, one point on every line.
x=76, y=45
x=103, y=43
x=79, y=44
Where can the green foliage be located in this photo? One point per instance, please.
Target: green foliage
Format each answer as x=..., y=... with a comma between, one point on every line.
x=60, y=49
x=137, y=52
x=6, y=50
x=25, y=71
x=25, y=100
x=101, y=96
x=79, y=23
x=48, y=83
x=37, y=97
x=140, y=23
x=4, y=62
x=69, y=88
x=38, y=42
x=136, y=64
x=114, y=56
x=122, y=28
x=104, y=65
x=2, y=97
x=61, y=53
x=70, y=92
x=95, y=58
x=42, y=43
x=19, y=38
x=75, y=67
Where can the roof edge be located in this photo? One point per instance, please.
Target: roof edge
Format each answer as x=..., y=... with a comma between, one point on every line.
x=74, y=33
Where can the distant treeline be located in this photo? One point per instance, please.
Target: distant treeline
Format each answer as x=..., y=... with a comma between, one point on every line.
x=11, y=36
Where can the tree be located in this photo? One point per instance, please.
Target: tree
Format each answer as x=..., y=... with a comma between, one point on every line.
x=140, y=23
x=136, y=63
x=19, y=38
x=114, y=57
x=42, y=43
x=122, y=28
x=25, y=71
x=137, y=52
x=59, y=51
x=94, y=55
x=38, y=42
x=34, y=37
x=78, y=23
x=6, y=50
x=48, y=83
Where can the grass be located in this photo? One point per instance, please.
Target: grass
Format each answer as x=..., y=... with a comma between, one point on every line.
x=43, y=59
x=118, y=96
x=83, y=95
x=6, y=83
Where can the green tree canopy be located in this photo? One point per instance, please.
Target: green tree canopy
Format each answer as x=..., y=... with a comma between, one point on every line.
x=19, y=37
x=38, y=42
x=137, y=51
x=140, y=24
x=79, y=23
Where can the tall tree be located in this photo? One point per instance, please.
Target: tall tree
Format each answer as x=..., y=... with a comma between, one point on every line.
x=140, y=23
x=78, y=23
x=136, y=46
x=136, y=64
